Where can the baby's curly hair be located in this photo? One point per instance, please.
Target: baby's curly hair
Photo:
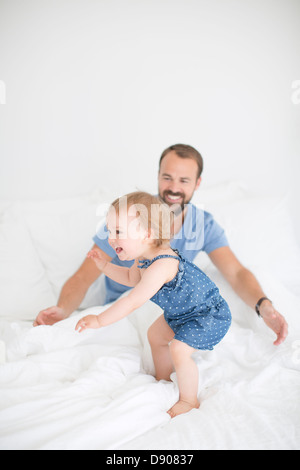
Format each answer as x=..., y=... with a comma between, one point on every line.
x=153, y=214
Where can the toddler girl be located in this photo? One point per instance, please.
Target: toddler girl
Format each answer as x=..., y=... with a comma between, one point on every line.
x=195, y=315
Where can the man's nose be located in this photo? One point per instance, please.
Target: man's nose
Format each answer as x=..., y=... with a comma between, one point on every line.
x=174, y=187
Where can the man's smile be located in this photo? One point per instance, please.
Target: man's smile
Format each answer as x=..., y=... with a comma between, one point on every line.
x=173, y=198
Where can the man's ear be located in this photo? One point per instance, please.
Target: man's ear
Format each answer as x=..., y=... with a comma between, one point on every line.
x=198, y=183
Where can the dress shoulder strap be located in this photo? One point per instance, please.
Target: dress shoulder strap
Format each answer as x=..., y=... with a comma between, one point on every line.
x=147, y=262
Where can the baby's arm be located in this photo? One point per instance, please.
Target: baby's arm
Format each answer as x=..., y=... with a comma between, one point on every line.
x=153, y=279
x=126, y=276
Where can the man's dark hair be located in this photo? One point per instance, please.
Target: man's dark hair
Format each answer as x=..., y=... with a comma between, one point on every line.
x=185, y=151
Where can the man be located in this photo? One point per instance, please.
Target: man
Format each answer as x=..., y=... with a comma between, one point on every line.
x=195, y=230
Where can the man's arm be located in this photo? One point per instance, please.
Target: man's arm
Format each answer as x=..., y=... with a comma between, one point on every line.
x=151, y=281
x=247, y=287
x=72, y=293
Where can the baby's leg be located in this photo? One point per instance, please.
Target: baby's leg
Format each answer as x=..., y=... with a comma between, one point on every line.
x=187, y=377
x=160, y=335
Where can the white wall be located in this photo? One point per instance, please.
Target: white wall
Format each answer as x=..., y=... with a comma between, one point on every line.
x=96, y=89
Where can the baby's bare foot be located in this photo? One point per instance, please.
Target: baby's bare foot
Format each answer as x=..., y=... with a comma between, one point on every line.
x=182, y=407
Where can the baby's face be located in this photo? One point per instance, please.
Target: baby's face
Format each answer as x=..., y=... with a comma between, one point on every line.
x=126, y=235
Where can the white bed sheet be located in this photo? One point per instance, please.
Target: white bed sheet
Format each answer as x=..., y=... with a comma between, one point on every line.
x=63, y=390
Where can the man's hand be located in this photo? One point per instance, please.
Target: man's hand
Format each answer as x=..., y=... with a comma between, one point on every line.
x=274, y=320
x=50, y=316
x=247, y=287
x=73, y=292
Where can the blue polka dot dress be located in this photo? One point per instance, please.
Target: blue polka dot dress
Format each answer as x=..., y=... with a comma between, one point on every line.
x=193, y=306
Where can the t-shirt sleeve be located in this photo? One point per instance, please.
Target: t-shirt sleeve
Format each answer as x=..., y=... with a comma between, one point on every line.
x=214, y=234
x=101, y=240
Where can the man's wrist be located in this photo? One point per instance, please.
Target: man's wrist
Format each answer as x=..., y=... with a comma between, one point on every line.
x=259, y=303
x=99, y=321
x=64, y=311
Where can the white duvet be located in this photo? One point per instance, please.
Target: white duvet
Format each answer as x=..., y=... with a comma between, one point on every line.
x=65, y=390
x=60, y=389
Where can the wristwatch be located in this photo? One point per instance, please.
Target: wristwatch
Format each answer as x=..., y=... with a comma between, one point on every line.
x=259, y=303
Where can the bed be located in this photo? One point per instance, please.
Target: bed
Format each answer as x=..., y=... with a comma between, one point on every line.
x=61, y=390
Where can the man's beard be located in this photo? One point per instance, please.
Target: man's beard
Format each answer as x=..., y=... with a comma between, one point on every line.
x=177, y=207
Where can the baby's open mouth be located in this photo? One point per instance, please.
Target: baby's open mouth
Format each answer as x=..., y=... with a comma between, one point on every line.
x=119, y=249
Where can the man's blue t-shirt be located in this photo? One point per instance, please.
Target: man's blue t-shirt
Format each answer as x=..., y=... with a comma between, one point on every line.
x=199, y=232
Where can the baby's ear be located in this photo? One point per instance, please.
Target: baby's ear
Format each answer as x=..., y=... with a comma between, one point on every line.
x=150, y=234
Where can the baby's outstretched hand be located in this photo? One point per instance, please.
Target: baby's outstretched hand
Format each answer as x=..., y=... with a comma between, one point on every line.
x=96, y=256
x=90, y=321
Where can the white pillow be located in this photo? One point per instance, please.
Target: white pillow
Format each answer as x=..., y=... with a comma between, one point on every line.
x=24, y=288
x=62, y=232
x=220, y=193
x=260, y=232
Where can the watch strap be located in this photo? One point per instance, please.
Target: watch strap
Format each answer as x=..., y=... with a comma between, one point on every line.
x=259, y=303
